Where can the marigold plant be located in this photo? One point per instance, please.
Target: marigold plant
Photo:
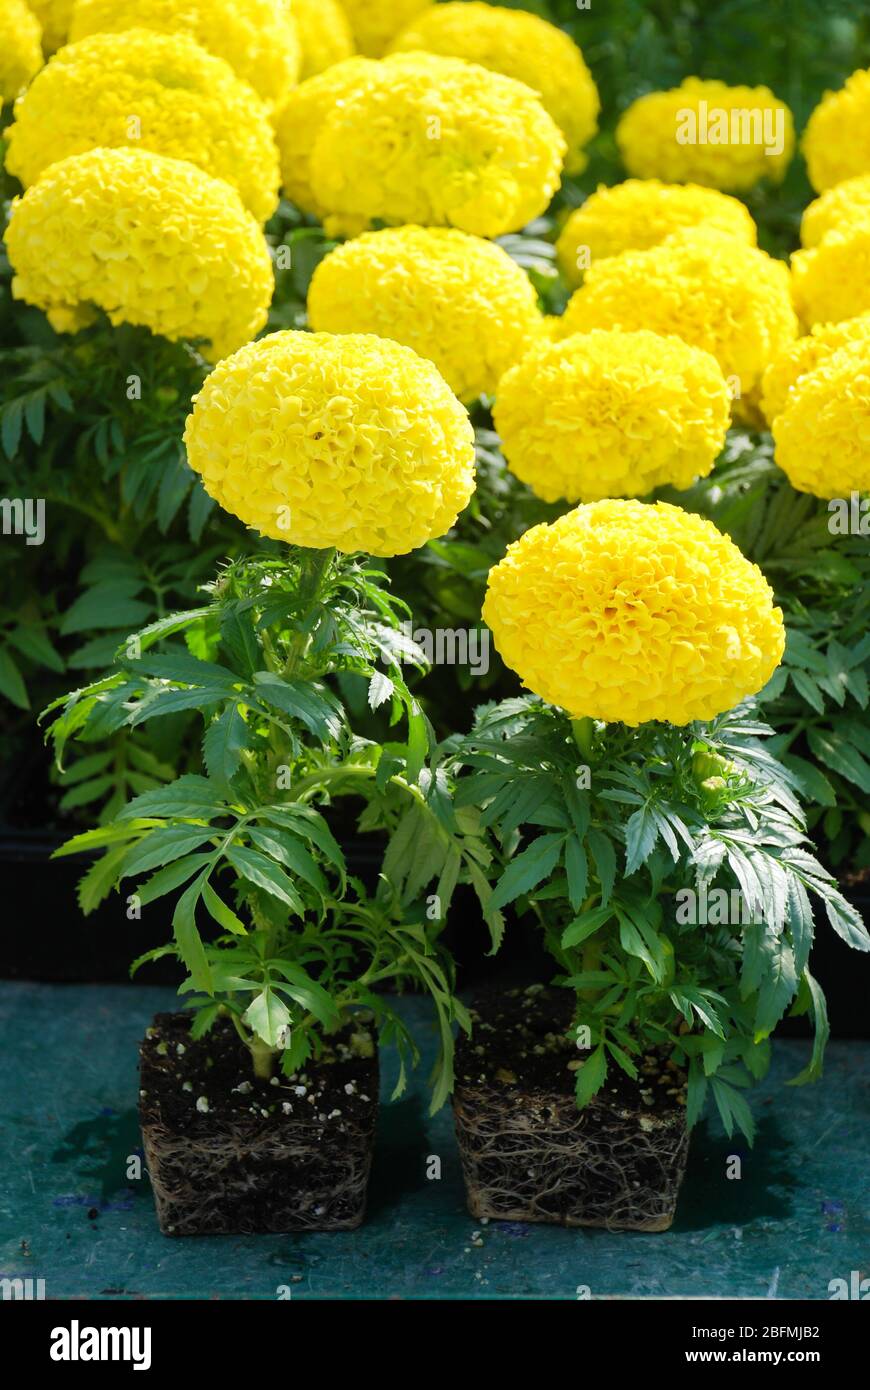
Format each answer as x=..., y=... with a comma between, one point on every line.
x=55, y=17
x=628, y=612
x=612, y=415
x=20, y=48
x=709, y=133
x=324, y=35
x=788, y=369
x=822, y=435
x=419, y=139
x=639, y=214
x=151, y=240
x=839, y=208
x=327, y=440
x=257, y=38
x=832, y=280
x=733, y=301
x=520, y=45
x=158, y=92
x=454, y=298
x=836, y=142
x=375, y=23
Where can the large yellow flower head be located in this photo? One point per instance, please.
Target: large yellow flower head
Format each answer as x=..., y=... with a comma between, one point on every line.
x=20, y=48
x=151, y=240
x=256, y=37
x=325, y=440
x=707, y=132
x=822, y=437
x=324, y=34
x=612, y=415
x=733, y=301
x=375, y=23
x=640, y=213
x=804, y=355
x=54, y=16
x=839, y=208
x=629, y=612
x=158, y=92
x=836, y=142
x=454, y=298
x=832, y=280
x=519, y=45
x=420, y=139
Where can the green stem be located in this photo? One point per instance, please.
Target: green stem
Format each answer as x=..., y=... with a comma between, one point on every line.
x=591, y=962
x=315, y=566
x=263, y=1057
x=336, y=774
x=584, y=732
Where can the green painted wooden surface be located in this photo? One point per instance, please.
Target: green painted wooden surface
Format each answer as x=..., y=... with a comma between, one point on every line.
x=799, y=1217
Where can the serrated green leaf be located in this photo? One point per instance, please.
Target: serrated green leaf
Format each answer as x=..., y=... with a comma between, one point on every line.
x=166, y=880
x=268, y=1016
x=641, y=833
x=585, y=926
x=292, y=855
x=163, y=846
x=224, y=742
x=837, y=753
x=11, y=681
x=314, y=708
x=778, y=988
x=822, y=1031
x=99, y=880
x=34, y=643
x=847, y=921
x=256, y=868
x=187, y=936
x=591, y=1076
x=604, y=858
x=239, y=639
x=527, y=870
x=577, y=870
x=189, y=797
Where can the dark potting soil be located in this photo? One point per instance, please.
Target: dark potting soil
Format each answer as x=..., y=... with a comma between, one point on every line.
x=228, y=1152
x=522, y=1038
x=529, y=1154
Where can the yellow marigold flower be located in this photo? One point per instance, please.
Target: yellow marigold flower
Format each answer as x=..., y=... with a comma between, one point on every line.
x=256, y=37
x=54, y=16
x=324, y=34
x=839, y=208
x=520, y=45
x=456, y=299
x=20, y=48
x=709, y=133
x=612, y=415
x=803, y=356
x=422, y=139
x=325, y=440
x=300, y=121
x=822, y=437
x=832, y=280
x=733, y=301
x=151, y=240
x=640, y=213
x=836, y=142
x=629, y=612
x=158, y=92
x=376, y=22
